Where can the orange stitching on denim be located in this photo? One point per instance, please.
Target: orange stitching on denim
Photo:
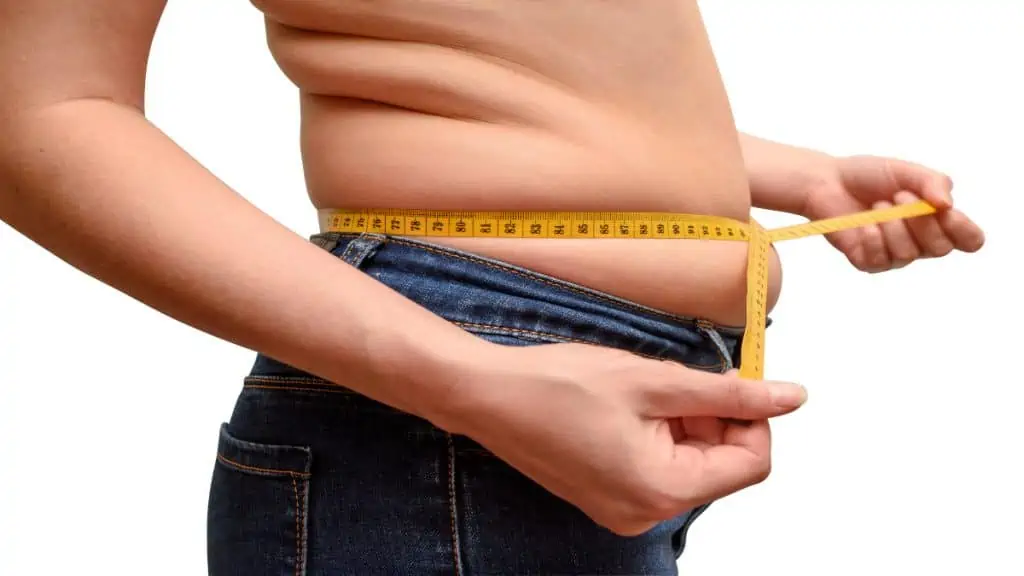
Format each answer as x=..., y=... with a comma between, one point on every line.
x=276, y=378
x=721, y=357
x=331, y=388
x=298, y=531
x=295, y=383
x=310, y=379
x=558, y=284
x=299, y=389
x=710, y=326
x=231, y=462
x=473, y=325
x=456, y=556
x=348, y=251
x=519, y=331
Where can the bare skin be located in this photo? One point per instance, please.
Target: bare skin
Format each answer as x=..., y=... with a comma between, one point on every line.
x=528, y=105
x=448, y=104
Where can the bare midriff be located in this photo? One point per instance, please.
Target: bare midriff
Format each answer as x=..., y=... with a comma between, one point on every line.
x=528, y=105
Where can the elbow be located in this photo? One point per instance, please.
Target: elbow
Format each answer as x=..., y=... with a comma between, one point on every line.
x=28, y=129
x=18, y=117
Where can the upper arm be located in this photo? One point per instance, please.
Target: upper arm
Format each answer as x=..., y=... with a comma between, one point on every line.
x=57, y=50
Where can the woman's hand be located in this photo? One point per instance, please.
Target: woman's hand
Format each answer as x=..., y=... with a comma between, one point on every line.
x=852, y=184
x=628, y=440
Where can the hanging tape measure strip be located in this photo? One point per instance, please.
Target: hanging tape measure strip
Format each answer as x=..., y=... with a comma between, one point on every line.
x=623, y=225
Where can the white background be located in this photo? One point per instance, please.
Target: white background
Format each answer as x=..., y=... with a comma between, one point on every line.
x=906, y=460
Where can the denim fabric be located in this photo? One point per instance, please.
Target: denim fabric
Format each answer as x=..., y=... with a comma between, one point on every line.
x=314, y=479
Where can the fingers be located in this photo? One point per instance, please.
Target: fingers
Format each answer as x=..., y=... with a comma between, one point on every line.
x=901, y=247
x=874, y=178
x=707, y=430
x=754, y=435
x=927, y=233
x=934, y=187
x=870, y=254
x=678, y=391
x=896, y=243
x=965, y=235
x=717, y=471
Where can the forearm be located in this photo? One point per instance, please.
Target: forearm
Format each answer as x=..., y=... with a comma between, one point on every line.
x=100, y=187
x=780, y=175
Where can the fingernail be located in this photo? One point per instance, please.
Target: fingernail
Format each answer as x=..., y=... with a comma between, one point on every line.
x=787, y=395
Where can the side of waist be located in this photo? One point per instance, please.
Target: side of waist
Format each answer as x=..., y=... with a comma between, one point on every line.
x=509, y=304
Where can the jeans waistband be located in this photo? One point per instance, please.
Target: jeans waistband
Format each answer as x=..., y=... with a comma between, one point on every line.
x=512, y=305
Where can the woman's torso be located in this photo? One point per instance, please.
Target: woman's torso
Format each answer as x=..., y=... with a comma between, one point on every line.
x=528, y=105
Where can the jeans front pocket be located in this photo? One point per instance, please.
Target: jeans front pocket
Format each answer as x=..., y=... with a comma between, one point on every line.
x=256, y=525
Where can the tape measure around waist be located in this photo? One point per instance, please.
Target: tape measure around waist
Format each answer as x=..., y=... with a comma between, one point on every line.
x=622, y=225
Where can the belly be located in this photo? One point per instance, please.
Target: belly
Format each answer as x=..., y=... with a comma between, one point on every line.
x=513, y=105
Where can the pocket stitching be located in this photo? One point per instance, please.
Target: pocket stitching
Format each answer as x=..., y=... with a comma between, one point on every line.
x=267, y=471
x=300, y=532
x=286, y=383
x=299, y=480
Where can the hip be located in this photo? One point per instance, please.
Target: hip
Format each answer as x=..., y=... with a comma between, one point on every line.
x=313, y=478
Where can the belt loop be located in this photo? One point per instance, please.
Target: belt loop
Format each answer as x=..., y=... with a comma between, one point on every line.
x=362, y=247
x=326, y=240
x=708, y=330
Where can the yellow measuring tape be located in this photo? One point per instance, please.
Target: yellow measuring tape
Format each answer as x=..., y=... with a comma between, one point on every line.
x=633, y=225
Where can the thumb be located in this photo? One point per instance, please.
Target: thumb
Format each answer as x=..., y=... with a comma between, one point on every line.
x=931, y=185
x=872, y=178
x=689, y=392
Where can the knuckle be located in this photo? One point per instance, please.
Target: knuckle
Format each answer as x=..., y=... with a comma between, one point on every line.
x=745, y=399
x=873, y=237
x=942, y=248
x=905, y=252
x=904, y=197
x=734, y=394
x=880, y=259
x=859, y=262
x=890, y=168
x=879, y=266
x=762, y=469
x=903, y=257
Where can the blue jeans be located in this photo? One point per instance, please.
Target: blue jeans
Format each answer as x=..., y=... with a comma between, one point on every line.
x=314, y=479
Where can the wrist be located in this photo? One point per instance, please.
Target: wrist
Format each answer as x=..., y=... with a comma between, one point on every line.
x=484, y=388
x=783, y=177
x=442, y=378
